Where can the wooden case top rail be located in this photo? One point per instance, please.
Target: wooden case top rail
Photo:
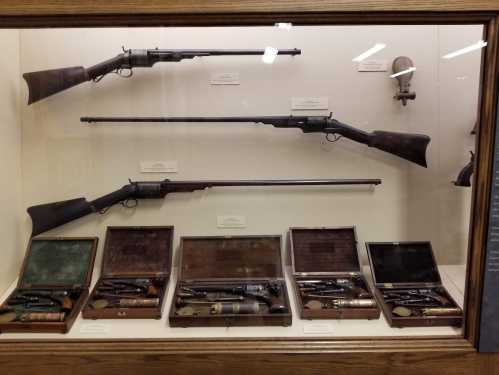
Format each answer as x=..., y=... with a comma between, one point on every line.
x=116, y=7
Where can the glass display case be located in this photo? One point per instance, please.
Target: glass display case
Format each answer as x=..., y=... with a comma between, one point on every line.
x=280, y=158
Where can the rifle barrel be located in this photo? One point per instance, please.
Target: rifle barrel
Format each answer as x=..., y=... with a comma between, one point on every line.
x=225, y=52
x=118, y=119
x=315, y=182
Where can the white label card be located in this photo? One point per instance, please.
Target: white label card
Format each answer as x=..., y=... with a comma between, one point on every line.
x=317, y=328
x=231, y=221
x=373, y=66
x=309, y=103
x=95, y=328
x=224, y=79
x=159, y=166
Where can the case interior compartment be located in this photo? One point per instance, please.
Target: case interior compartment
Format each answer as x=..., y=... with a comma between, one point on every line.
x=52, y=287
x=407, y=275
x=247, y=269
x=135, y=271
x=329, y=256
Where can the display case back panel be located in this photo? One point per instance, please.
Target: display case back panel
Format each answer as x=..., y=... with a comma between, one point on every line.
x=93, y=160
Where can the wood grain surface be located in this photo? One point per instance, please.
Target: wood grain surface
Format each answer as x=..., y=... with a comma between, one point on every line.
x=81, y=19
x=423, y=356
x=45, y=7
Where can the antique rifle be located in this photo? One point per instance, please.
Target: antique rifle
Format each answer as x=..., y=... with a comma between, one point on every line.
x=45, y=83
x=407, y=146
x=52, y=215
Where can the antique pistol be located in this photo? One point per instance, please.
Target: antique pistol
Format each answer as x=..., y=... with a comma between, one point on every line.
x=408, y=146
x=464, y=176
x=52, y=215
x=146, y=287
x=411, y=297
x=340, y=285
x=63, y=299
x=45, y=83
x=268, y=293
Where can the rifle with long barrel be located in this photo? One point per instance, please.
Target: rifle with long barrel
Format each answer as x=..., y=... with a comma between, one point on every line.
x=52, y=215
x=407, y=146
x=45, y=83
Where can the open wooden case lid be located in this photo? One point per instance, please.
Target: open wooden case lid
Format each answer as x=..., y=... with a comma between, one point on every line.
x=238, y=257
x=58, y=262
x=403, y=263
x=324, y=250
x=137, y=251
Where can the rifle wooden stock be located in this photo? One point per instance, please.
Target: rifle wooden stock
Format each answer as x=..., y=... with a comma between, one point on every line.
x=45, y=83
x=407, y=146
x=49, y=82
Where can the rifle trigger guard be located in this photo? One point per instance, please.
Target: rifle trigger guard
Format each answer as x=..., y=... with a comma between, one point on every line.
x=124, y=72
x=130, y=203
x=330, y=132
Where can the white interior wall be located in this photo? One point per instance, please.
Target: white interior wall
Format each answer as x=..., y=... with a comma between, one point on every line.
x=10, y=160
x=437, y=209
x=64, y=159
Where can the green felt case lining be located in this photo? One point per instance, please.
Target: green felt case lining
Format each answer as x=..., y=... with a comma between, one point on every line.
x=58, y=262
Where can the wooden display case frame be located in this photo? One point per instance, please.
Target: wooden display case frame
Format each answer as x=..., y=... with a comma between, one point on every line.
x=408, y=355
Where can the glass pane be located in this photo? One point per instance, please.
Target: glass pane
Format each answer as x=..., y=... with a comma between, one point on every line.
x=351, y=121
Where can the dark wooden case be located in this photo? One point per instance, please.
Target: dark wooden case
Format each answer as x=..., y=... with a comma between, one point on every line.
x=43, y=269
x=408, y=265
x=324, y=254
x=134, y=252
x=231, y=260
